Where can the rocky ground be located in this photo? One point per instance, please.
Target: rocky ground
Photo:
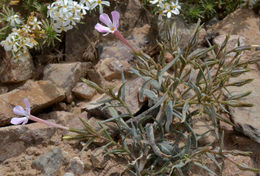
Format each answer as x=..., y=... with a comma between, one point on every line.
x=56, y=93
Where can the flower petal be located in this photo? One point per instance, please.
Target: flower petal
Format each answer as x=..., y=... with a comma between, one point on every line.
x=27, y=105
x=17, y=120
x=18, y=110
x=105, y=19
x=100, y=28
x=115, y=18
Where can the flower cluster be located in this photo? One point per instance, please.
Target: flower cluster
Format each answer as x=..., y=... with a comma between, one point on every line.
x=166, y=8
x=65, y=14
x=20, y=40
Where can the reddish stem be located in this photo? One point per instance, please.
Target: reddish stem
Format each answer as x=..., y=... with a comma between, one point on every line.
x=120, y=37
x=36, y=119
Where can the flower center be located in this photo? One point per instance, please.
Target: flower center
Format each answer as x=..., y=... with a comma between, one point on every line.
x=112, y=28
x=99, y=1
x=174, y=6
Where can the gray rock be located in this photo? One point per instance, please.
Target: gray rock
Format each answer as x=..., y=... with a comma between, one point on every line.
x=65, y=75
x=16, y=71
x=77, y=166
x=247, y=119
x=49, y=163
x=83, y=91
x=41, y=94
x=15, y=139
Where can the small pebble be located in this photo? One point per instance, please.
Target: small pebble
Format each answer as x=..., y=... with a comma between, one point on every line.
x=68, y=174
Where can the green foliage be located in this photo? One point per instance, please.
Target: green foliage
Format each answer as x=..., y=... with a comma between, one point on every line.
x=161, y=140
x=192, y=10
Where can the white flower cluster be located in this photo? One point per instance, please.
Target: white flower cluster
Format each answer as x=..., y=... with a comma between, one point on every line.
x=65, y=14
x=167, y=8
x=20, y=40
x=18, y=44
x=14, y=20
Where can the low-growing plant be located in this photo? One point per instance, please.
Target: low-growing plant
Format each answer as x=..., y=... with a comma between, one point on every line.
x=161, y=140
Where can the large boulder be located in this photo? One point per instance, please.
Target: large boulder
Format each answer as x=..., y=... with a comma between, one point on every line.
x=242, y=22
x=65, y=75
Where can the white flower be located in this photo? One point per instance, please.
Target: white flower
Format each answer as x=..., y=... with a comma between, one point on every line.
x=156, y=1
x=100, y=3
x=87, y=3
x=35, y=24
x=14, y=20
x=172, y=8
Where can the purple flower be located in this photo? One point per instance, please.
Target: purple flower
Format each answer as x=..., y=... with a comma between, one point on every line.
x=110, y=27
x=19, y=110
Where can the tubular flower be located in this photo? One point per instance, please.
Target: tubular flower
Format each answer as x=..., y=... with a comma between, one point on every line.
x=26, y=113
x=112, y=27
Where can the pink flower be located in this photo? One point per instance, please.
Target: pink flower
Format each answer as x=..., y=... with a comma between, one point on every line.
x=110, y=27
x=19, y=110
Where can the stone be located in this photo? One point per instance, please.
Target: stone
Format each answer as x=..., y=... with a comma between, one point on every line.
x=111, y=68
x=83, y=91
x=65, y=75
x=15, y=139
x=77, y=166
x=247, y=119
x=232, y=41
x=68, y=174
x=49, y=163
x=41, y=94
x=243, y=22
x=16, y=71
x=6, y=112
x=97, y=158
x=116, y=49
x=131, y=98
